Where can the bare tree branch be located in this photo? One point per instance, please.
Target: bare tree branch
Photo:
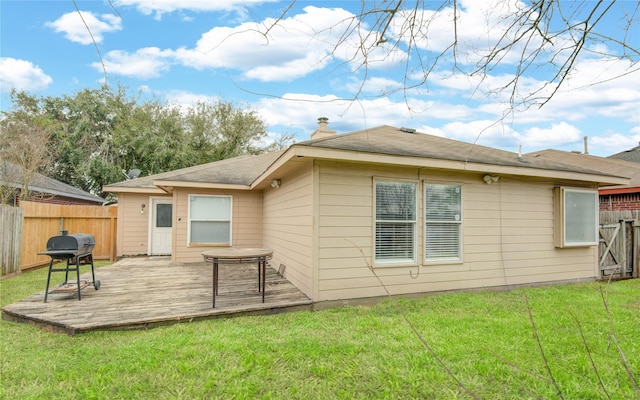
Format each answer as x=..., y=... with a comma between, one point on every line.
x=588, y=351
x=613, y=339
x=95, y=44
x=540, y=348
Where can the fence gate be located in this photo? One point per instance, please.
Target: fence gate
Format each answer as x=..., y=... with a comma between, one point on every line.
x=618, y=249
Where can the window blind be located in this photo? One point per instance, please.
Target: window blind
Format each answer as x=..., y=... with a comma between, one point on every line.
x=395, y=204
x=209, y=219
x=443, y=222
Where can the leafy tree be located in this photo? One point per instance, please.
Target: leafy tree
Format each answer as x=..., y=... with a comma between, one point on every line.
x=97, y=134
x=83, y=135
x=24, y=149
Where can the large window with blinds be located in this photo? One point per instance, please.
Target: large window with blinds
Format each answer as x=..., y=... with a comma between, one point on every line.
x=443, y=223
x=209, y=220
x=395, y=237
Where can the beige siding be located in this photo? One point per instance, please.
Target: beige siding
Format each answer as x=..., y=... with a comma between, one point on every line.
x=246, y=222
x=320, y=224
x=133, y=225
x=288, y=227
x=507, y=236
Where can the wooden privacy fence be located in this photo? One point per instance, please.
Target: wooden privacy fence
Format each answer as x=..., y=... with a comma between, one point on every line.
x=41, y=221
x=619, y=244
x=10, y=238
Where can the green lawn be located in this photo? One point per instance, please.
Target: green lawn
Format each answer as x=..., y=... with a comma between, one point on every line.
x=480, y=345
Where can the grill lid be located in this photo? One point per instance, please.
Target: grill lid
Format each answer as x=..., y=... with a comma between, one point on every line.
x=77, y=242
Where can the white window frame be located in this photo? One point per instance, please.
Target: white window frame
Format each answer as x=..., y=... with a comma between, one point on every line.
x=563, y=210
x=189, y=220
x=459, y=222
x=413, y=223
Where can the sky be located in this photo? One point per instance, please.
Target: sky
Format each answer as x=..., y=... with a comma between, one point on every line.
x=308, y=64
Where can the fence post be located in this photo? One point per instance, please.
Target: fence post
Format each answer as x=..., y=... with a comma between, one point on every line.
x=113, y=238
x=636, y=256
x=11, y=220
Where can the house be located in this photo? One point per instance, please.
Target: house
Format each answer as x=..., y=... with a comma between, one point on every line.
x=620, y=198
x=43, y=189
x=612, y=198
x=377, y=211
x=632, y=155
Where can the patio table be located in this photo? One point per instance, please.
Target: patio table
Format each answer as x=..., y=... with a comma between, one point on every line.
x=238, y=255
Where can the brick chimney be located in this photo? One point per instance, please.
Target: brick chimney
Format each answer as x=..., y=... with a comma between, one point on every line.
x=322, y=130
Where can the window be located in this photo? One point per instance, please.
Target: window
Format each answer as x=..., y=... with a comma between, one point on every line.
x=443, y=223
x=164, y=215
x=576, y=217
x=210, y=219
x=395, y=204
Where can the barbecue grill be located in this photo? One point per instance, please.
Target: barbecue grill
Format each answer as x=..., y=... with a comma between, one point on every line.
x=76, y=250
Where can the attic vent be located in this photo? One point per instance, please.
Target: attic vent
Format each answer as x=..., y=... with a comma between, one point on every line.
x=408, y=130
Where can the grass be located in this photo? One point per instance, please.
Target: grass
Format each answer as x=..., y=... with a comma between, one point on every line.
x=486, y=340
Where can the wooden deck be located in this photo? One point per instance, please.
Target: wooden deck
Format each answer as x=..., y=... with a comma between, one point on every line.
x=140, y=293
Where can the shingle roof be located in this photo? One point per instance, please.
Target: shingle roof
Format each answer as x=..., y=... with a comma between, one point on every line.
x=632, y=155
x=609, y=166
x=384, y=140
x=242, y=170
x=11, y=174
x=393, y=141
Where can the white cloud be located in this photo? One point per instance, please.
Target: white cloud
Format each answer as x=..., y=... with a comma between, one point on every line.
x=594, y=79
x=84, y=27
x=299, y=111
x=291, y=49
x=287, y=49
x=21, y=75
x=479, y=25
x=602, y=87
x=187, y=99
x=160, y=7
x=503, y=136
x=554, y=136
x=597, y=88
x=611, y=143
x=482, y=132
x=377, y=86
x=146, y=63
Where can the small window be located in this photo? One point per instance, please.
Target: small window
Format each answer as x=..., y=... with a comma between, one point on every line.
x=443, y=223
x=576, y=217
x=164, y=215
x=209, y=219
x=395, y=236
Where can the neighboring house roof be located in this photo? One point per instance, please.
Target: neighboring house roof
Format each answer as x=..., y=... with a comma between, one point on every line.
x=632, y=155
x=612, y=166
x=11, y=175
x=384, y=144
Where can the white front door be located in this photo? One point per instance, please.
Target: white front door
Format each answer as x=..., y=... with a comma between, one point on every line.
x=161, y=226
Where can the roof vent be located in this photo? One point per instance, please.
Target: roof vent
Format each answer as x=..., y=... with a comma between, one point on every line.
x=408, y=130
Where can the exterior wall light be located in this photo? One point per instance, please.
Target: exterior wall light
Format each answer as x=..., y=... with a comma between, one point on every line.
x=275, y=183
x=489, y=179
x=142, y=206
